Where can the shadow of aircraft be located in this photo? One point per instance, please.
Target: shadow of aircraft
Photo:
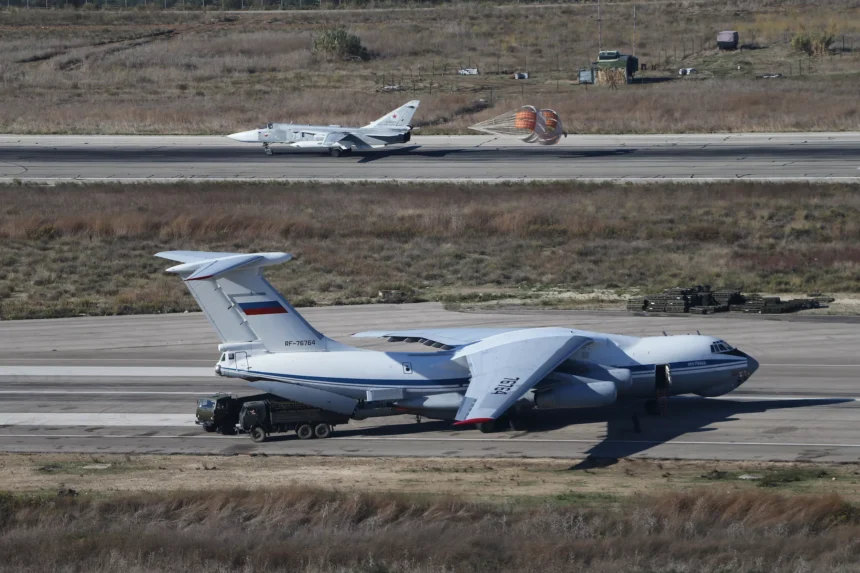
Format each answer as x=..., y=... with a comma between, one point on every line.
x=488, y=152
x=685, y=416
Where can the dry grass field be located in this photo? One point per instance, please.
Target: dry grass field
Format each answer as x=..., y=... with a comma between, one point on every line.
x=313, y=530
x=76, y=513
x=87, y=249
x=137, y=71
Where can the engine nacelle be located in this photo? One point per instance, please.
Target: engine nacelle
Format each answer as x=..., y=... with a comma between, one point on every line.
x=594, y=387
x=578, y=395
x=447, y=401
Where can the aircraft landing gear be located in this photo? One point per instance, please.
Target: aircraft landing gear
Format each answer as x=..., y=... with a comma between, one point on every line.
x=266, y=149
x=656, y=407
x=335, y=151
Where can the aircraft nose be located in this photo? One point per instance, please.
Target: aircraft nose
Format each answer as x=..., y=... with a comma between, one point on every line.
x=245, y=136
x=752, y=364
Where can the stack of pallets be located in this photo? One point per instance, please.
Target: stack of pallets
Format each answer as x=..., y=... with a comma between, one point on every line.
x=727, y=297
x=701, y=299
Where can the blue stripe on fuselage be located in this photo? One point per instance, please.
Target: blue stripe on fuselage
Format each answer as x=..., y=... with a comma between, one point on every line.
x=686, y=367
x=358, y=381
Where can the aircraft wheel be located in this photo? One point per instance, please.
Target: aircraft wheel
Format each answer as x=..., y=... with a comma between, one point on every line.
x=268, y=151
x=322, y=431
x=487, y=427
x=517, y=424
x=335, y=151
x=258, y=435
x=305, y=432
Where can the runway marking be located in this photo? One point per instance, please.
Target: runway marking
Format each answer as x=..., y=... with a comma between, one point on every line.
x=95, y=419
x=197, y=372
x=400, y=180
x=108, y=371
x=816, y=365
x=455, y=439
x=106, y=392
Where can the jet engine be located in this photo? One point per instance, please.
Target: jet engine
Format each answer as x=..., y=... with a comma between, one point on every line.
x=599, y=387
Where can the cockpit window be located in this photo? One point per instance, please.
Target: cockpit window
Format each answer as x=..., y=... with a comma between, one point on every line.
x=720, y=346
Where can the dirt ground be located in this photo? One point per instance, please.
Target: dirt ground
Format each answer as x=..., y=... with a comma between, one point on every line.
x=522, y=481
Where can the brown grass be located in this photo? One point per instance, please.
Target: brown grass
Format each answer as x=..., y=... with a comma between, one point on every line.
x=156, y=72
x=72, y=249
x=301, y=529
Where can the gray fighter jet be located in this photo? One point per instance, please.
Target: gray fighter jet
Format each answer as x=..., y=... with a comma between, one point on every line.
x=393, y=127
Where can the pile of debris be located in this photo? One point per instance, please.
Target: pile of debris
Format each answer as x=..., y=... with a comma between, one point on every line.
x=701, y=299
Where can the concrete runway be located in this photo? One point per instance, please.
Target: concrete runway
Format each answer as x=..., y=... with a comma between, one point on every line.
x=128, y=385
x=636, y=158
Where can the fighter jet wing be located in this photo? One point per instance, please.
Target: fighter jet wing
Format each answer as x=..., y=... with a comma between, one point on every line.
x=505, y=367
x=446, y=338
x=345, y=139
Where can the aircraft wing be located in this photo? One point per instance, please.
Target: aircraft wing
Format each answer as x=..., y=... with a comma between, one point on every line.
x=339, y=139
x=506, y=366
x=445, y=338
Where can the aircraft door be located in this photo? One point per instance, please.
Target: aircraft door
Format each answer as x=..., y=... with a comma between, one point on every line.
x=242, y=361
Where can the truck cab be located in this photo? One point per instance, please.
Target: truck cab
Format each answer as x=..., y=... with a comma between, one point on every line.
x=218, y=413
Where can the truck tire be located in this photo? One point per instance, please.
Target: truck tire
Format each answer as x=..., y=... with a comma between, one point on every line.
x=209, y=428
x=257, y=434
x=305, y=432
x=227, y=430
x=322, y=431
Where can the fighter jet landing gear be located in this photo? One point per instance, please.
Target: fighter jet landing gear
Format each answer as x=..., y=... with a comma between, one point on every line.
x=266, y=149
x=337, y=151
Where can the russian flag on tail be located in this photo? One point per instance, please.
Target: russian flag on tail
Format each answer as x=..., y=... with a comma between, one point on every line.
x=263, y=307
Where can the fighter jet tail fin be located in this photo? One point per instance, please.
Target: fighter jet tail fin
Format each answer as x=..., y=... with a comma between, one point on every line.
x=400, y=117
x=241, y=305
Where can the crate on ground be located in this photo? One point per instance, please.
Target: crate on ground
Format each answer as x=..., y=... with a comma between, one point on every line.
x=702, y=299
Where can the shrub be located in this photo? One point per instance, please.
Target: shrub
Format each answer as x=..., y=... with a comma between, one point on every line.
x=813, y=43
x=337, y=43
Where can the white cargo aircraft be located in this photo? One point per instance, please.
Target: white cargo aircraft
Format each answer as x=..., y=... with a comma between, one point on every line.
x=393, y=127
x=476, y=376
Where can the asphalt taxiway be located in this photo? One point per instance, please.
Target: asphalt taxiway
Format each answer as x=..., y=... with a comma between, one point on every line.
x=635, y=158
x=128, y=385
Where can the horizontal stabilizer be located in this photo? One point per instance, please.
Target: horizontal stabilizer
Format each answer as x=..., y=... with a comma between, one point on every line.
x=200, y=265
x=310, y=396
x=444, y=338
x=241, y=304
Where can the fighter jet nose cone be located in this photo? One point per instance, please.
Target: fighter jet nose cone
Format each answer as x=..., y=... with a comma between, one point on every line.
x=245, y=136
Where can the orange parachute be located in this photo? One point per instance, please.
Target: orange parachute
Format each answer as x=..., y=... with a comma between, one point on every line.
x=527, y=123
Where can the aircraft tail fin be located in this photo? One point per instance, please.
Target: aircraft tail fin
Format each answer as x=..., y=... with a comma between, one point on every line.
x=241, y=305
x=400, y=117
